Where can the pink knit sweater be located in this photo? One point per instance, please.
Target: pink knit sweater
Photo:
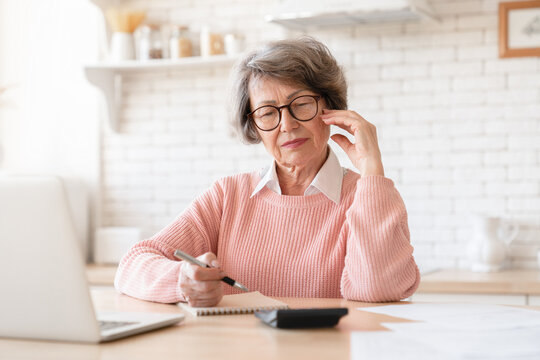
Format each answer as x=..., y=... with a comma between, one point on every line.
x=291, y=246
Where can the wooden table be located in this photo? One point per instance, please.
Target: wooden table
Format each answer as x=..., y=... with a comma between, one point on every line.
x=212, y=337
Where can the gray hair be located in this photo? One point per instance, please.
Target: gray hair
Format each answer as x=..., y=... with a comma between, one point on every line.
x=305, y=62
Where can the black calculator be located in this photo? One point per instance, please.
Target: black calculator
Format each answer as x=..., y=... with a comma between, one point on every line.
x=302, y=318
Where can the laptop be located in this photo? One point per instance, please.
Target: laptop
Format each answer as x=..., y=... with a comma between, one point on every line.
x=44, y=290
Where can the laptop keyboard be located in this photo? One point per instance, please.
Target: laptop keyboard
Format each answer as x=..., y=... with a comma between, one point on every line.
x=109, y=325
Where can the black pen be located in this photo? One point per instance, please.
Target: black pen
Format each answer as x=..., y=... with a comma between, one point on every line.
x=190, y=259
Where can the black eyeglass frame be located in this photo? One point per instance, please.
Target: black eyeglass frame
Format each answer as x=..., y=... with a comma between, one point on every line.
x=288, y=107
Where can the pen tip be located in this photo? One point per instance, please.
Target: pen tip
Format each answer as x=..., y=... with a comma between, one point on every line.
x=242, y=287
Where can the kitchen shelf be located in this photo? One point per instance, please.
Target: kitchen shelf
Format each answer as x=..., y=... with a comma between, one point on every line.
x=164, y=64
x=107, y=76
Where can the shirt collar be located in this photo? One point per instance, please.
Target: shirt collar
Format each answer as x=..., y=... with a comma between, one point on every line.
x=268, y=178
x=327, y=181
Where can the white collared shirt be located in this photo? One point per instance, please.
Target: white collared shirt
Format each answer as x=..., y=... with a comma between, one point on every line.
x=327, y=181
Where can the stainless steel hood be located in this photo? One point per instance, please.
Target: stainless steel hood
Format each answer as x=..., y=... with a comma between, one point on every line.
x=312, y=14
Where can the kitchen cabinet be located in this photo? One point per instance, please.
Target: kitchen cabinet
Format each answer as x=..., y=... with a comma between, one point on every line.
x=509, y=287
x=478, y=298
x=330, y=14
x=534, y=300
x=100, y=275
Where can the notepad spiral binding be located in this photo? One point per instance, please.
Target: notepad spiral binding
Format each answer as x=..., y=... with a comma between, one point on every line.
x=232, y=311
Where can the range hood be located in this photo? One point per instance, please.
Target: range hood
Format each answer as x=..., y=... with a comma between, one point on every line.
x=316, y=13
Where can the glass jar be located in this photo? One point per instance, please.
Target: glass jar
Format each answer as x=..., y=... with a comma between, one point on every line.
x=180, y=43
x=150, y=44
x=234, y=44
x=211, y=43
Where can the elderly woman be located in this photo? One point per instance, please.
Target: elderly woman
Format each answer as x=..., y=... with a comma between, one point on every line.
x=304, y=226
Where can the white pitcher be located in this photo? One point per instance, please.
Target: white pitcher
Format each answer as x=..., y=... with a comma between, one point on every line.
x=488, y=250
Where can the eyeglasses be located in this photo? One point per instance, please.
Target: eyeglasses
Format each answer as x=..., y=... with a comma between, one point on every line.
x=302, y=108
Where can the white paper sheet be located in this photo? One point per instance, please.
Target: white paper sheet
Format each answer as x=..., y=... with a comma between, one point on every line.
x=452, y=331
x=514, y=343
x=434, y=344
x=463, y=316
x=386, y=345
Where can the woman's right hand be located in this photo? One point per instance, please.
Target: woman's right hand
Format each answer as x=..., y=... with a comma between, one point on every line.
x=202, y=287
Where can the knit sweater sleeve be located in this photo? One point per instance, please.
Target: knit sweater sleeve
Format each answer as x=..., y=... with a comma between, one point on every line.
x=149, y=270
x=379, y=265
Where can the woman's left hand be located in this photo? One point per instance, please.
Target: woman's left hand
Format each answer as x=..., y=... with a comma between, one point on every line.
x=364, y=153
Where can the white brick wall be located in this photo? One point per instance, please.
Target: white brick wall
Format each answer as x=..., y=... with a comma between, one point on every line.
x=459, y=127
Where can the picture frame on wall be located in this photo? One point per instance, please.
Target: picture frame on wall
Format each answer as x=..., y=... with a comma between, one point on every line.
x=519, y=29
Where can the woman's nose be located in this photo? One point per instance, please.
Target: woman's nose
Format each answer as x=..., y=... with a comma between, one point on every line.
x=288, y=122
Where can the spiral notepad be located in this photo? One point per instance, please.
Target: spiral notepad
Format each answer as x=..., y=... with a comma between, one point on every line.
x=238, y=304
